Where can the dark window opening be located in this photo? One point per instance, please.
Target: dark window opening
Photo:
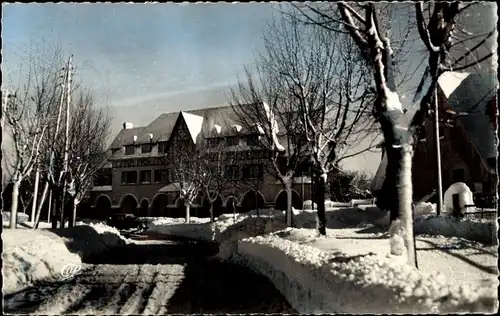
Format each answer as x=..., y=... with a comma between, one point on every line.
x=162, y=147
x=422, y=135
x=146, y=148
x=253, y=140
x=145, y=176
x=129, y=149
x=255, y=171
x=458, y=175
x=161, y=176
x=129, y=177
x=213, y=142
x=232, y=140
x=232, y=172
x=441, y=130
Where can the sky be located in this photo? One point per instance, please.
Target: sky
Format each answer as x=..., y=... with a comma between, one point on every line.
x=148, y=59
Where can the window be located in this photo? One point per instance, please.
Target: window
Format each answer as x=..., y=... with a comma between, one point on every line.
x=214, y=171
x=129, y=149
x=129, y=177
x=213, y=142
x=232, y=172
x=252, y=140
x=146, y=148
x=174, y=175
x=162, y=147
x=161, y=176
x=255, y=171
x=145, y=176
x=422, y=136
x=232, y=140
x=458, y=175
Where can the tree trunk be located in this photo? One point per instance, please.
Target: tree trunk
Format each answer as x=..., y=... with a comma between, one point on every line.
x=320, y=189
x=188, y=209
x=49, y=208
x=234, y=209
x=212, y=212
x=55, y=208
x=63, y=206
x=256, y=204
x=289, y=213
x=13, y=207
x=72, y=221
x=40, y=206
x=35, y=196
x=399, y=198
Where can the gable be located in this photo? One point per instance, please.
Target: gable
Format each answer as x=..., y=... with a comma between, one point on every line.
x=194, y=124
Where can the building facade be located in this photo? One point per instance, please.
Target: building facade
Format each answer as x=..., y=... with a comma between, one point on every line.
x=149, y=166
x=468, y=144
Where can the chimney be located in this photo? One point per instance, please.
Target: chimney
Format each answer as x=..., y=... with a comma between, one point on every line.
x=135, y=138
x=150, y=136
x=128, y=125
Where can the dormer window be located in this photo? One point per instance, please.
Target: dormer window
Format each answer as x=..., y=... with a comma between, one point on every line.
x=232, y=140
x=129, y=149
x=162, y=147
x=146, y=148
x=252, y=140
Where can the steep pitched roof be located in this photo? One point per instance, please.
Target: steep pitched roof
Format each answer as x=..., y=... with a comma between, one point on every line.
x=472, y=95
x=209, y=122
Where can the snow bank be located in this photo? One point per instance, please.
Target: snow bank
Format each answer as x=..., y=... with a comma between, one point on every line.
x=314, y=281
x=480, y=230
x=227, y=230
x=34, y=255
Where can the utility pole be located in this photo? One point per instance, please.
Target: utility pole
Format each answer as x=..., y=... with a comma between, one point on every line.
x=35, y=192
x=439, y=190
x=66, y=139
x=51, y=176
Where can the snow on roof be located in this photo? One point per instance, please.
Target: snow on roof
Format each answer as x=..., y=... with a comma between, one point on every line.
x=259, y=127
x=237, y=127
x=450, y=80
x=217, y=128
x=194, y=124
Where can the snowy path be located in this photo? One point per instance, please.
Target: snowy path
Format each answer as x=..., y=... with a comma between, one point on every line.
x=153, y=277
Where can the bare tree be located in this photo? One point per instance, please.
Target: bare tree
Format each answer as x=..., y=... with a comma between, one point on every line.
x=27, y=120
x=186, y=169
x=363, y=23
x=213, y=160
x=323, y=87
x=88, y=132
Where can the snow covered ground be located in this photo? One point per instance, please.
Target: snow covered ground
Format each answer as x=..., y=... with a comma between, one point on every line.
x=41, y=254
x=317, y=281
x=352, y=264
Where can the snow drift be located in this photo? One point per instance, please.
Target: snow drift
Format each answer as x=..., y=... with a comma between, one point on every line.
x=34, y=255
x=227, y=230
x=314, y=281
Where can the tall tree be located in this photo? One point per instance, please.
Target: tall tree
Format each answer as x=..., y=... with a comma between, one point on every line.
x=27, y=119
x=213, y=160
x=87, y=138
x=320, y=90
x=436, y=28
